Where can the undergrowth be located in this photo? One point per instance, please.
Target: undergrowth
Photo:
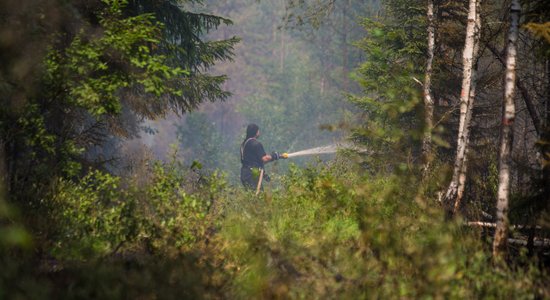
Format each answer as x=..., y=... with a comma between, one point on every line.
x=324, y=236
x=322, y=232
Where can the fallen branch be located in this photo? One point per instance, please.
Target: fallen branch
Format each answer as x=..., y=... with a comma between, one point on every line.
x=494, y=225
x=545, y=243
x=537, y=242
x=486, y=215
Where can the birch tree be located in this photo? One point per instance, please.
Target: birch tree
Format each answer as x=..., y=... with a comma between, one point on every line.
x=428, y=100
x=506, y=135
x=465, y=105
x=469, y=112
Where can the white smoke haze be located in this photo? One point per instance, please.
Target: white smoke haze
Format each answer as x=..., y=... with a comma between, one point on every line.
x=289, y=81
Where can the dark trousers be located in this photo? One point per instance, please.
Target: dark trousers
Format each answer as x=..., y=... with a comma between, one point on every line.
x=248, y=179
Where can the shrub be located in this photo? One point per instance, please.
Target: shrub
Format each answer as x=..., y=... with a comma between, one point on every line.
x=103, y=214
x=326, y=236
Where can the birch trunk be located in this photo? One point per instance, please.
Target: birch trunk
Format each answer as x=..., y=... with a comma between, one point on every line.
x=506, y=136
x=467, y=58
x=467, y=120
x=428, y=100
x=529, y=101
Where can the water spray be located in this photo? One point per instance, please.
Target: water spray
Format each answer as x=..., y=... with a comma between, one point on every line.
x=322, y=150
x=313, y=151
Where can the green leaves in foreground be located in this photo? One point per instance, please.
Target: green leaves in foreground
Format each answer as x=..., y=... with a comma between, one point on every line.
x=320, y=236
x=103, y=214
x=327, y=237
x=12, y=234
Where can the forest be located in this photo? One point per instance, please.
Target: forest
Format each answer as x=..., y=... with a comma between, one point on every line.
x=406, y=146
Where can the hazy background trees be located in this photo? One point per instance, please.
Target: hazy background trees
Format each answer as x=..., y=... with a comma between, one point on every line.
x=289, y=77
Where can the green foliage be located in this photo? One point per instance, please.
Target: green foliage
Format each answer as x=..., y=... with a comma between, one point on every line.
x=12, y=233
x=185, y=45
x=105, y=69
x=84, y=82
x=16, y=243
x=168, y=231
x=326, y=233
x=325, y=236
x=94, y=216
x=94, y=68
x=102, y=214
x=390, y=125
x=301, y=233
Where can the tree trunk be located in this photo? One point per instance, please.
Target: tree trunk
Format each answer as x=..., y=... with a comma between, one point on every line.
x=529, y=101
x=468, y=59
x=466, y=130
x=283, y=45
x=547, y=106
x=545, y=137
x=506, y=136
x=428, y=100
x=3, y=170
x=345, y=45
x=282, y=52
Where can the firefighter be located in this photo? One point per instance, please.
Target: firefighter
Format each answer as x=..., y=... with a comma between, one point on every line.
x=253, y=158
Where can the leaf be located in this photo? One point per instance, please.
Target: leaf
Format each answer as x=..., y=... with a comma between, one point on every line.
x=196, y=165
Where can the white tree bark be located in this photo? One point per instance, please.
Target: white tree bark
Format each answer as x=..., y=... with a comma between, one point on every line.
x=468, y=60
x=467, y=120
x=506, y=136
x=428, y=100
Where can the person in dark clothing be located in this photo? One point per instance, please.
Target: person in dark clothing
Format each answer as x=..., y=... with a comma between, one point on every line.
x=253, y=157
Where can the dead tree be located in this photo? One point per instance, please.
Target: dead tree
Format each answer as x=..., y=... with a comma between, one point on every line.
x=506, y=135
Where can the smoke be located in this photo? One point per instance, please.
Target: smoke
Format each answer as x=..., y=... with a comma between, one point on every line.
x=287, y=81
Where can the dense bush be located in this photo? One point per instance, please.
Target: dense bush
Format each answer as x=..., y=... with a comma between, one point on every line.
x=323, y=237
x=115, y=237
x=103, y=214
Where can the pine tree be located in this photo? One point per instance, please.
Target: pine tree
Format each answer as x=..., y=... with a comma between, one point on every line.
x=101, y=68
